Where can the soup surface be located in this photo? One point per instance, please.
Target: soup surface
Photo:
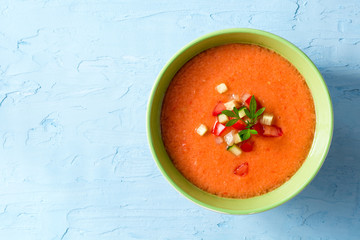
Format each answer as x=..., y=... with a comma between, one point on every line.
x=190, y=100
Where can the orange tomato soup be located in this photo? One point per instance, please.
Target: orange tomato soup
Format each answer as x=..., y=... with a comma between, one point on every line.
x=190, y=100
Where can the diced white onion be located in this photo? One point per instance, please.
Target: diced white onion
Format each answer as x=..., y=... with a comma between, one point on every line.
x=229, y=138
x=245, y=96
x=235, y=97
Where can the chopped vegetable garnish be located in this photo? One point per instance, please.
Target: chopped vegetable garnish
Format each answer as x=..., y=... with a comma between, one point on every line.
x=266, y=119
x=222, y=118
x=272, y=131
x=246, y=121
x=242, y=113
x=201, y=130
x=235, y=150
x=218, y=109
x=229, y=138
x=242, y=169
x=221, y=88
x=237, y=138
x=218, y=128
x=248, y=102
x=247, y=146
x=251, y=113
x=245, y=96
x=232, y=104
x=239, y=125
x=259, y=128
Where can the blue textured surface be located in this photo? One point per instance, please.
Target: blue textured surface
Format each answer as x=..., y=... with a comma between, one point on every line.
x=74, y=81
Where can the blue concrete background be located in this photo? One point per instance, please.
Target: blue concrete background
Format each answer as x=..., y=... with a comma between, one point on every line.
x=75, y=77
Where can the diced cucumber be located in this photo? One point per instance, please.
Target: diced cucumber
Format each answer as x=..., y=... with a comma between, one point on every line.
x=221, y=88
x=222, y=118
x=242, y=113
x=234, y=150
x=237, y=138
x=201, y=130
x=267, y=119
x=230, y=105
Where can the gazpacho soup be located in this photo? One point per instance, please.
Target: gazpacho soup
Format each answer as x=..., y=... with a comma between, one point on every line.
x=238, y=120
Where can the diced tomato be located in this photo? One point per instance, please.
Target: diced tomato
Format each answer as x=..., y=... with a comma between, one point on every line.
x=218, y=109
x=239, y=125
x=247, y=146
x=247, y=103
x=218, y=128
x=259, y=128
x=242, y=170
x=272, y=131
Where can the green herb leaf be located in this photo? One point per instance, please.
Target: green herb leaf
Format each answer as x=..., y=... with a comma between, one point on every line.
x=259, y=112
x=236, y=111
x=252, y=115
x=252, y=106
x=252, y=131
x=229, y=113
x=247, y=113
x=231, y=122
x=246, y=135
x=241, y=134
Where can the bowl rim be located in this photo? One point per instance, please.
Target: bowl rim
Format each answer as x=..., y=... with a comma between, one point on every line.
x=185, y=48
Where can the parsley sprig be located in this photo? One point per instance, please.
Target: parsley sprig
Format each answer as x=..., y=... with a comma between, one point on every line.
x=251, y=113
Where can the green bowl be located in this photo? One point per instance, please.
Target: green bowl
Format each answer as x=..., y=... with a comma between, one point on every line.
x=319, y=148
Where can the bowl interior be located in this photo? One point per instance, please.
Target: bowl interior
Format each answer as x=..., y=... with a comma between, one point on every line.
x=323, y=130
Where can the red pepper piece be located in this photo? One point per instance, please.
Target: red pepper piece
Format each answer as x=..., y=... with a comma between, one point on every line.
x=242, y=170
x=218, y=128
x=239, y=125
x=218, y=109
x=247, y=146
x=272, y=131
x=259, y=128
